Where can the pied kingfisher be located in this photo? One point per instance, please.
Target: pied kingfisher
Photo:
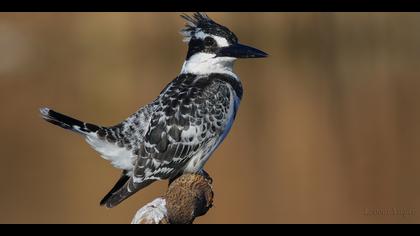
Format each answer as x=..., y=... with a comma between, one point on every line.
x=181, y=128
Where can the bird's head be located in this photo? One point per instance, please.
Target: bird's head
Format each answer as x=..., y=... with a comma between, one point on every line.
x=213, y=44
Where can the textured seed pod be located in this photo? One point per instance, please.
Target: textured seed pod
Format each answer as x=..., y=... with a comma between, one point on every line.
x=188, y=197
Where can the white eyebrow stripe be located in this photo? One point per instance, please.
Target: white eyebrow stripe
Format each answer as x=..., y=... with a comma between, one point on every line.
x=221, y=42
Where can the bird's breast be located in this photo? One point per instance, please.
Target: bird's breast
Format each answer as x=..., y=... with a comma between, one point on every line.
x=201, y=157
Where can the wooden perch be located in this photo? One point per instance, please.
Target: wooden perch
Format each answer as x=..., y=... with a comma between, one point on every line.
x=187, y=197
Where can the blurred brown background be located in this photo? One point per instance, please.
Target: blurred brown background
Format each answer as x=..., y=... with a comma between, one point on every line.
x=328, y=130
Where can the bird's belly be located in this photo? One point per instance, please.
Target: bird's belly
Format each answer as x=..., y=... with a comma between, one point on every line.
x=119, y=157
x=200, y=158
x=121, y=162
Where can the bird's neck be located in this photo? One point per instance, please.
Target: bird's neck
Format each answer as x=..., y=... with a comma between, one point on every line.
x=203, y=63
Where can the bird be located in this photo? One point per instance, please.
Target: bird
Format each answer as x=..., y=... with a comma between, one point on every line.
x=179, y=130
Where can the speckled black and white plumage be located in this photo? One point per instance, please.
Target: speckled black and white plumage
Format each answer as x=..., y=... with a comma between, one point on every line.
x=190, y=118
x=186, y=123
x=180, y=129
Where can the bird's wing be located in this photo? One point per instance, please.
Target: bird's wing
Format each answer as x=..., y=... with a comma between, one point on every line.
x=188, y=119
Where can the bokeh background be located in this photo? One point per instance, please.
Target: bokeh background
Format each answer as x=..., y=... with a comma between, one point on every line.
x=328, y=130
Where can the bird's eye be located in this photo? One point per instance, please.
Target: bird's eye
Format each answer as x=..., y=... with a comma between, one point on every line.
x=209, y=41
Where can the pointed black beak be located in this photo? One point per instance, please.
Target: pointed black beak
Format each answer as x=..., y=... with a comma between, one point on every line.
x=240, y=51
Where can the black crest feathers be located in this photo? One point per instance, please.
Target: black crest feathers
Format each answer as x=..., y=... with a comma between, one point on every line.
x=200, y=21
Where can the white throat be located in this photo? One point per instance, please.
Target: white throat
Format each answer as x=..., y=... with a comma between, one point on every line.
x=206, y=63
